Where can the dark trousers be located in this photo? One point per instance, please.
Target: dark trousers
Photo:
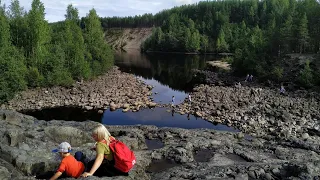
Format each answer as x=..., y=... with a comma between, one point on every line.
x=49, y=174
x=106, y=169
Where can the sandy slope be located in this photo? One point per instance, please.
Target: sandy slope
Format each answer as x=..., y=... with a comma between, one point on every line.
x=127, y=38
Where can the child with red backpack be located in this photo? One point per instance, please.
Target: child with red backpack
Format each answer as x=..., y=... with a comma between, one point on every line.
x=113, y=158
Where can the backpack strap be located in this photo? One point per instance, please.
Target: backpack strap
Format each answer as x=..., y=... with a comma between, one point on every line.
x=112, y=139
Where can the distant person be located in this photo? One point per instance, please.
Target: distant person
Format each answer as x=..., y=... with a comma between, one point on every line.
x=247, y=78
x=282, y=90
x=188, y=116
x=69, y=166
x=172, y=112
x=189, y=98
x=172, y=101
x=251, y=78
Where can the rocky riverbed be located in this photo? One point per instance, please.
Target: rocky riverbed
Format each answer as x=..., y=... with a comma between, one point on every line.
x=113, y=90
x=259, y=112
x=26, y=145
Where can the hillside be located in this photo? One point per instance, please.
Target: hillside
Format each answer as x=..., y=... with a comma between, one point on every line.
x=127, y=38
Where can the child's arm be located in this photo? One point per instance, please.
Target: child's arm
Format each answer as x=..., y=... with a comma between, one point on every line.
x=56, y=175
x=96, y=165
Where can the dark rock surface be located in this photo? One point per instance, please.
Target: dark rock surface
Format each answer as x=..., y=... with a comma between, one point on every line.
x=26, y=144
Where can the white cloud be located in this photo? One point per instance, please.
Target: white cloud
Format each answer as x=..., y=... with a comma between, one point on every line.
x=55, y=9
x=183, y=1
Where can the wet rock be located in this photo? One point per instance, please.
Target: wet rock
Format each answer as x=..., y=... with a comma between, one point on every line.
x=152, y=105
x=126, y=106
x=113, y=106
x=198, y=114
x=149, y=87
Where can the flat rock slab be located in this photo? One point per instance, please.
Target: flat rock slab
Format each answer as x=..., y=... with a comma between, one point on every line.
x=25, y=151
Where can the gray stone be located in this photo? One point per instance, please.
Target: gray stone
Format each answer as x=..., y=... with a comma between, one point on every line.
x=252, y=174
x=152, y=105
x=305, y=136
x=4, y=173
x=88, y=108
x=224, y=154
x=268, y=176
x=69, y=134
x=242, y=177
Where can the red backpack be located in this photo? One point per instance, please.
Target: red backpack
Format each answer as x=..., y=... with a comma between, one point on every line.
x=123, y=156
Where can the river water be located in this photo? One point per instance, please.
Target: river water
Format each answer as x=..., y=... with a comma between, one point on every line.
x=171, y=75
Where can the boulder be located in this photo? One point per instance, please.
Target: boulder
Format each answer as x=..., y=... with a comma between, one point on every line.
x=4, y=173
x=198, y=114
x=152, y=104
x=69, y=134
x=305, y=136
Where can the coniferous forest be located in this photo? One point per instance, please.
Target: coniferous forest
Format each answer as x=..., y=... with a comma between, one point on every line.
x=258, y=33
x=34, y=53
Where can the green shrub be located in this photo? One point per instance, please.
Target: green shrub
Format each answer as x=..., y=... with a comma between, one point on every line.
x=277, y=73
x=228, y=59
x=306, y=76
x=34, y=78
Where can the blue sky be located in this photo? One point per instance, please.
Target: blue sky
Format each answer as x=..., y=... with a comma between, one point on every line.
x=55, y=9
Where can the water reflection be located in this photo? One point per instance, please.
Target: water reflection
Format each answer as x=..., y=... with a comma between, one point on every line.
x=163, y=93
x=160, y=118
x=174, y=70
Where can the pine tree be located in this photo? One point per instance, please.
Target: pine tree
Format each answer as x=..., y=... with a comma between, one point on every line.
x=286, y=34
x=302, y=33
x=74, y=45
x=39, y=37
x=4, y=30
x=18, y=24
x=11, y=63
x=98, y=52
x=222, y=45
x=306, y=75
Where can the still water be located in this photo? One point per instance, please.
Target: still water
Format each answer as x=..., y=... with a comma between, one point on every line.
x=171, y=75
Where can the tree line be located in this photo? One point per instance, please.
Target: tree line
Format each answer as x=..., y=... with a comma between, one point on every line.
x=258, y=33
x=35, y=53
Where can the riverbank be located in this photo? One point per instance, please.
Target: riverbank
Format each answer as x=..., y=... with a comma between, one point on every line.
x=258, y=112
x=113, y=90
x=162, y=153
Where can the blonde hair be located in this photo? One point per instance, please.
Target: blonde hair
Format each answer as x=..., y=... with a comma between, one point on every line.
x=102, y=133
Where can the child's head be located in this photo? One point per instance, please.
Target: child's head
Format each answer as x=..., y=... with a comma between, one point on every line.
x=63, y=149
x=100, y=133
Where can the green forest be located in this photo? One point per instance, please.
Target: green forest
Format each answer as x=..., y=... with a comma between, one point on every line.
x=34, y=53
x=258, y=33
